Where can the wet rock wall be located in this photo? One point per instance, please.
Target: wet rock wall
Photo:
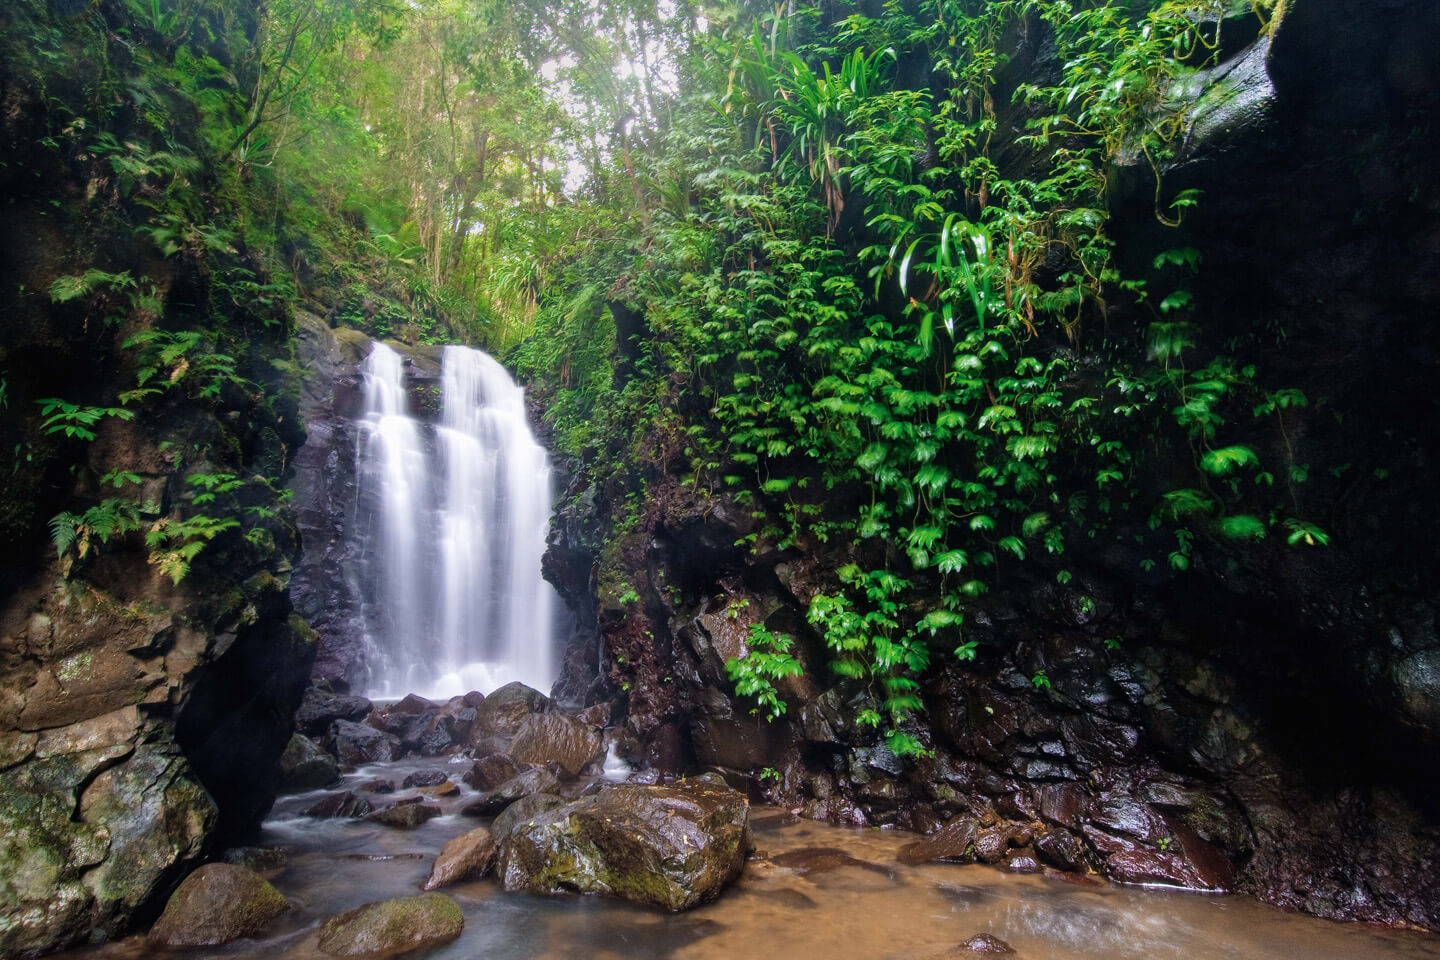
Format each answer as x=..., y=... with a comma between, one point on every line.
x=1265, y=723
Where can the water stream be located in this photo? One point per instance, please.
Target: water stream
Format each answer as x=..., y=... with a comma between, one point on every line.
x=453, y=517
x=809, y=890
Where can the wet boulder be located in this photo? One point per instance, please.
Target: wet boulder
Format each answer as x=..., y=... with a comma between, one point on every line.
x=467, y=857
x=405, y=815
x=1062, y=849
x=526, y=808
x=984, y=943
x=1156, y=868
x=500, y=715
x=1141, y=845
x=572, y=743
x=407, y=721
x=340, y=805
x=990, y=845
x=304, y=766
x=320, y=708
x=954, y=841
x=357, y=744
x=424, y=727
x=534, y=780
x=491, y=770
x=266, y=861
x=218, y=903
x=413, y=704
x=390, y=927
x=424, y=778
x=454, y=720
x=672, y=846
x=597, y=714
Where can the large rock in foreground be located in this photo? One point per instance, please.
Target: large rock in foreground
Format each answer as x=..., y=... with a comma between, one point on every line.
x=218, y=903
x=673, y=846
x=388, y=927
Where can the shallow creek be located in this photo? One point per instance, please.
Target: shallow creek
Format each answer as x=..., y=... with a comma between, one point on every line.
x=810, y=890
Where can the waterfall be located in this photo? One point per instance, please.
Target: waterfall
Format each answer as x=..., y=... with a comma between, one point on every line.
x=453, y=518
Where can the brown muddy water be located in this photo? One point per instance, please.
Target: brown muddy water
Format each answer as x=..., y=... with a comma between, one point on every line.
x=810, y=890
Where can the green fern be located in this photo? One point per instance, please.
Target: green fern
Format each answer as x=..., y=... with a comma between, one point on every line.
x=110, y=518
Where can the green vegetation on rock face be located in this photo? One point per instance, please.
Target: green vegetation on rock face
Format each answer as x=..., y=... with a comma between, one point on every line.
x=874, y=301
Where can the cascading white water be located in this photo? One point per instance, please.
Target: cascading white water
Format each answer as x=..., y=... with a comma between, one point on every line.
x=455, y=523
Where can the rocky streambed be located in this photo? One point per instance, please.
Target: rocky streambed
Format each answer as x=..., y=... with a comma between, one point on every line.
x=492, y=843
x=808, y=889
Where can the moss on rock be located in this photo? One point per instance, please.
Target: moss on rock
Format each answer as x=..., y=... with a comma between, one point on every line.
x=673, y=847
x=218, y=903
x=388, y=927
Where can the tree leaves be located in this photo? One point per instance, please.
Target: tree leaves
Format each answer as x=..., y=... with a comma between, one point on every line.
x=1226, y=460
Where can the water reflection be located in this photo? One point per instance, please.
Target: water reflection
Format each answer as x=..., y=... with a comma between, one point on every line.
x=812, y=890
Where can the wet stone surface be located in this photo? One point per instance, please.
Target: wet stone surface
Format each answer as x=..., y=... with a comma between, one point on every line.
x=810, y=889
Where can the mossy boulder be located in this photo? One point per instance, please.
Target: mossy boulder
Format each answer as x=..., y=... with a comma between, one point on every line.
x=304, y=766
x=218, y=903
x=674, y=846
x=389, y=927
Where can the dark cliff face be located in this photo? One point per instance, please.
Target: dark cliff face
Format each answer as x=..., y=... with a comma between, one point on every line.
x=1268, y=722
x=323, y=588
x=327, y=586
x=141, y=719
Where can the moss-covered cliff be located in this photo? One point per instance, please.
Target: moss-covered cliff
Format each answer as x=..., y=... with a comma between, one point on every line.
x=149, y=657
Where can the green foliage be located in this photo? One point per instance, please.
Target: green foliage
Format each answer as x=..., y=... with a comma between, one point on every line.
x=66, y=289
x=174, y=542
x=165, y=359
x=868, y=643
x=766, y=659
x=74, y=420
x=879, y=334
x=114, y=517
